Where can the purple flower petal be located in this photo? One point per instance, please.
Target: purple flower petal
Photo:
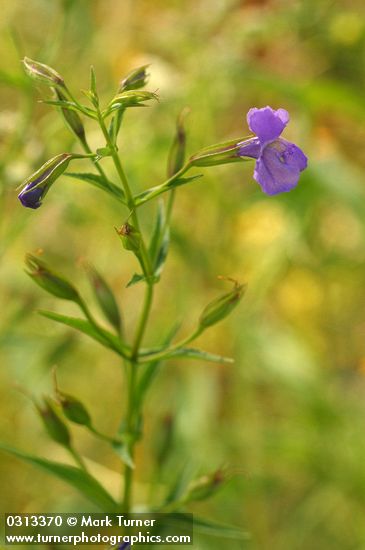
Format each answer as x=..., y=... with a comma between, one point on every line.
x=31, y=198
x=266, y=123
x=278, y=168
x=250, y=148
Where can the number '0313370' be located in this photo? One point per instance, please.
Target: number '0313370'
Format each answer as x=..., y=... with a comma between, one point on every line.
x=33, y=521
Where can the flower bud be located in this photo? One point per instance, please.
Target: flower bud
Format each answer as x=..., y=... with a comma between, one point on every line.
x=222, y=306
x=205, y=486
x=49, y=280
x=55, y=427
x=73, y=409
x=38, y=184
x=222, y=153
x=130, y=237
x=130, y=98
x=105, y=297
x=43, y=73
x=177, y=152
x=72, y=118
x=134, y=80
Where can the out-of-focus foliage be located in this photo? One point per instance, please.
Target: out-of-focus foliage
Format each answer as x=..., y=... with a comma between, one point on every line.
x=288, y=417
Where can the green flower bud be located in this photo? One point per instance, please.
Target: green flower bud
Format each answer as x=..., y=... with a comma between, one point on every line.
x=222, y=153
x=105, y=297
x=135, y=79
x=130, y=237
x=72, y=118
x=129, y=98
x=205, y=486
x=73, y=409
x=54, y=425
x=49, y=280
x=43, y=73
x=222, y=306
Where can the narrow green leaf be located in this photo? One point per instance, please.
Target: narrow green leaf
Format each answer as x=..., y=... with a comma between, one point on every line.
x=87, y=485
x=93, y=81
x=160, y=241
x=138, y=278
x=100, y=183
x=105, y=298
x=71, y=106
x=181, y=484
x=99, y=334
x=149, y=194
x=151, y=369
x=193, y=353
x=213, y=528
x=162, y=253
x=159, y=224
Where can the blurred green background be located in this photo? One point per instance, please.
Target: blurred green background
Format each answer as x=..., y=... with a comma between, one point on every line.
x=288, y=418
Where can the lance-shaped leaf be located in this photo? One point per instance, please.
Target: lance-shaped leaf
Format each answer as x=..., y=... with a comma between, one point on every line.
x=86, y=484
x=72, y=106
x=104, y=337
x=176, y=157
x=105, y=298
x=181, y=353
x=153, y=192
x=193, y=353
x=38, y=184
x=151, y=369
x=100, y=182
x=208, y=527
x=160, y=241
x=49, y=280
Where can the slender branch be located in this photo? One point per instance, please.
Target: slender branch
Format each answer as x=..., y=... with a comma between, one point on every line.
x=167, y=352
x=154, y=192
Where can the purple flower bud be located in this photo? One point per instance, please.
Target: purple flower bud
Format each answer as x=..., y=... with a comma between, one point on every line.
x=38, y=184
x=278, y=162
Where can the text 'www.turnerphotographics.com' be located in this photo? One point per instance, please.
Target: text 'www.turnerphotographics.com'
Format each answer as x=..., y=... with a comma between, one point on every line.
x=109, y=529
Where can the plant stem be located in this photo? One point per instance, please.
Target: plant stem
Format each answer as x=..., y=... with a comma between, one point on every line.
x=141, y=327
x=127, y=191
x=165, y=353
x=77, y=458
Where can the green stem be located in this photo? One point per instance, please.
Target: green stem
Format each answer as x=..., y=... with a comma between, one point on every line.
x=165, y=353
x=127, y=191
x=131, y=413
x=111, y=440
x=77, y=458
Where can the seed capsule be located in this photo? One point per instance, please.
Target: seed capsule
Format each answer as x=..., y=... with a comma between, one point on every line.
x=55, y=427
x=49, y=280
x=222, y=306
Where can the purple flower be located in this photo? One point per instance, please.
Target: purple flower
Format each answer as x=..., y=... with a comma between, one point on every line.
x=279, y=162
x=124, y=546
